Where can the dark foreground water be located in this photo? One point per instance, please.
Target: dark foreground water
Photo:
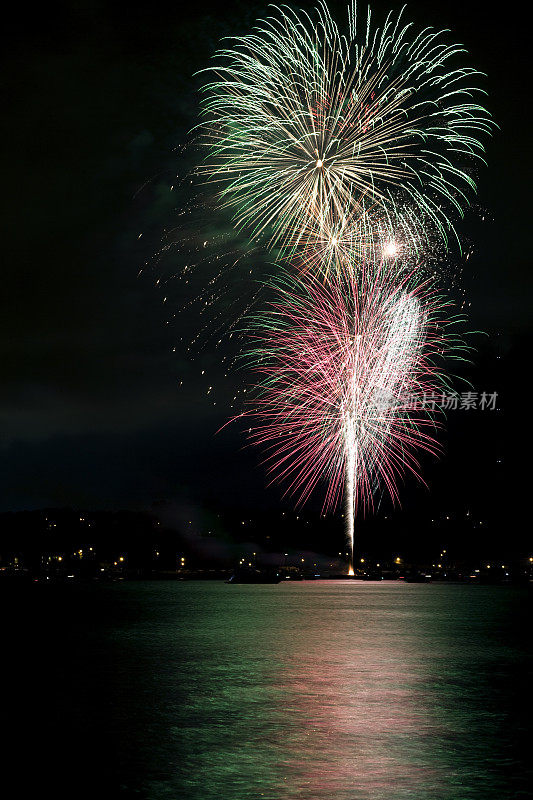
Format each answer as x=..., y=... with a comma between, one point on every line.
x=319, y=690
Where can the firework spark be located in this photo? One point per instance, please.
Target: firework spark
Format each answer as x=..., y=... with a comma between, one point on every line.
x=337, y=363
x=306, y=126
x=351, y=153
x=357, y=237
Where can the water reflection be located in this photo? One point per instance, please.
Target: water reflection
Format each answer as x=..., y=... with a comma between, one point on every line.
x=373, y=694
x=340, y=691
x=316, y=691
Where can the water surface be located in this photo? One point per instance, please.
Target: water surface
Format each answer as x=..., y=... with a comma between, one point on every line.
x=315, y=690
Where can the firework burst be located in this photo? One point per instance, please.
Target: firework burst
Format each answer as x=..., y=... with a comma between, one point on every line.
x=338, y=365
x=305, y=124
x=357, y=237
x=351, y=153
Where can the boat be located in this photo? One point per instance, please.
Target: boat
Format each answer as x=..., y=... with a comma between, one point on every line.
x=417, y=577
x=252, y=575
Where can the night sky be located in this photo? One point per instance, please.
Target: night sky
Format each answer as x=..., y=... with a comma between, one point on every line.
x=97, y=97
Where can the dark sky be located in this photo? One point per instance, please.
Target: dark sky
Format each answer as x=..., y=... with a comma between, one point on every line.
x=97, y=96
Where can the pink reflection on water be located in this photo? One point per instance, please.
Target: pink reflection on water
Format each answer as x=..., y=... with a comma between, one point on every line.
x=356, y=688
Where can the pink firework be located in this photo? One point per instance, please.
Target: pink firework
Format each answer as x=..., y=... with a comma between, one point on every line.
x=343, y=369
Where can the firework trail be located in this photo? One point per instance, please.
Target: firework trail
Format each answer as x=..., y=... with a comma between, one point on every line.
x=351, y=154
x=307, y=126
x=338, y=365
